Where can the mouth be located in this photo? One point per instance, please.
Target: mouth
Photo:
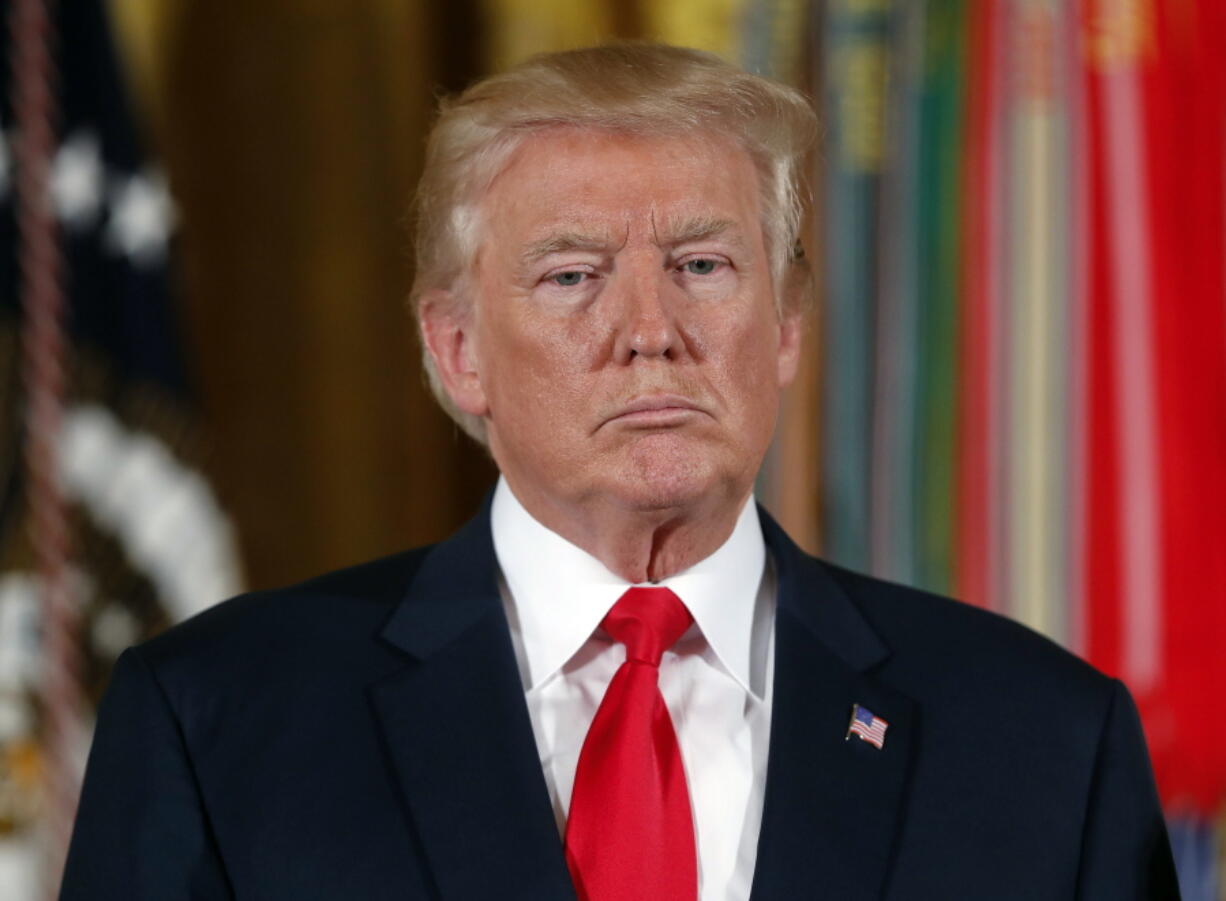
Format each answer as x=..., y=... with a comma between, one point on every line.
x=656, y=411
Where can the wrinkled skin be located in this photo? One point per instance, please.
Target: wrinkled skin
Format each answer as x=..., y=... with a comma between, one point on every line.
x=622, y=341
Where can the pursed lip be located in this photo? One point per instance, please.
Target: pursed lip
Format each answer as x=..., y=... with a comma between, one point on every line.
x=655, y=410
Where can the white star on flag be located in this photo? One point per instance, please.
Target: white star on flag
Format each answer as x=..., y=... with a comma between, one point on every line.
x=76, y=181
x=142, y=216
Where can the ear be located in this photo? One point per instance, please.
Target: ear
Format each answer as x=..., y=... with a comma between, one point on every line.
x=447, y=327
x=791, y=328
x=797, y=294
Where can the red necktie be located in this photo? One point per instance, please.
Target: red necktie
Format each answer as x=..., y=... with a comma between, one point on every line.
x=630, y=833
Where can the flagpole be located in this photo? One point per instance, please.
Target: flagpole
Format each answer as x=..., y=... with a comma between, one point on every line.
x=44, y=356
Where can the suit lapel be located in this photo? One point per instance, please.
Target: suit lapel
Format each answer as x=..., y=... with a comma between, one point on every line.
x=833, y=806
x=458, y=735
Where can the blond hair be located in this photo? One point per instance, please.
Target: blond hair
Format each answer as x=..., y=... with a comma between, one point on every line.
x=631, y=87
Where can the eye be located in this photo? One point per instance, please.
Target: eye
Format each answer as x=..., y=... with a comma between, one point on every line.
x=700, y=266
x=568, y=279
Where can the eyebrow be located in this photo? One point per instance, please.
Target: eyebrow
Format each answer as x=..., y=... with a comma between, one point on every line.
x=561, y=242
x=698, y=228
x=681, y=231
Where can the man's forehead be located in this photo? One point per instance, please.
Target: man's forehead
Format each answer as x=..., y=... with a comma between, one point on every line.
x=569, y=189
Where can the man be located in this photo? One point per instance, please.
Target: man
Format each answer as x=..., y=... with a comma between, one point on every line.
x=621, y=680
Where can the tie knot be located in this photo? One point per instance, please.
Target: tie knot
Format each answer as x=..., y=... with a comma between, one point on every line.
x=647, y=621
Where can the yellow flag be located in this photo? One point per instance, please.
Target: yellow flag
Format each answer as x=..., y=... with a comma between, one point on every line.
x=520, y=28
x=713, y=25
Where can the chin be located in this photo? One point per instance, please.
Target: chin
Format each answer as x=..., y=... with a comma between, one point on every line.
x=667, y=474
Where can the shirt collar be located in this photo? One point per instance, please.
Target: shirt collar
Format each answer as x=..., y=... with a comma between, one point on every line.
x=561, y=593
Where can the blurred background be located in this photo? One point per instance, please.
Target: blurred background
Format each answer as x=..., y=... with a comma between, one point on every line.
x=1014, y=388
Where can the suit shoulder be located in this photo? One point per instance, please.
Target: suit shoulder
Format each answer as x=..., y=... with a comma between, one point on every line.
x=313, y=617
x=939, y=635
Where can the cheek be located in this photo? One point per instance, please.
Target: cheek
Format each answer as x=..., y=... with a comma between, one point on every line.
x=747, y=354
x=538, y=368
x=748, y=375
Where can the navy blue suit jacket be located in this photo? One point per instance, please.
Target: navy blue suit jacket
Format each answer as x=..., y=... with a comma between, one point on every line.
x=365, y=736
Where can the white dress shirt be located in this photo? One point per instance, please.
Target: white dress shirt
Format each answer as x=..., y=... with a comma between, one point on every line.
x=716, y=680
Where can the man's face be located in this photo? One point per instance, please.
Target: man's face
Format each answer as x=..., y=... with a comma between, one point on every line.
x=624, y=343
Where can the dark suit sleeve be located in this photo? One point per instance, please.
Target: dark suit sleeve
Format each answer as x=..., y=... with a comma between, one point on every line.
x=141, y=832
x=1126, y=855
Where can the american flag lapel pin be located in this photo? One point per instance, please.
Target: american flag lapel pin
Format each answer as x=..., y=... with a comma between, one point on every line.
x=868, y=727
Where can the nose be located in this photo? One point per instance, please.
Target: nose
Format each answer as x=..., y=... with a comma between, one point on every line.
x=648, y=327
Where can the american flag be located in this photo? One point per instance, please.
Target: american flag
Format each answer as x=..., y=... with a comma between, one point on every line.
x=869, y=727
x=96, y=352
